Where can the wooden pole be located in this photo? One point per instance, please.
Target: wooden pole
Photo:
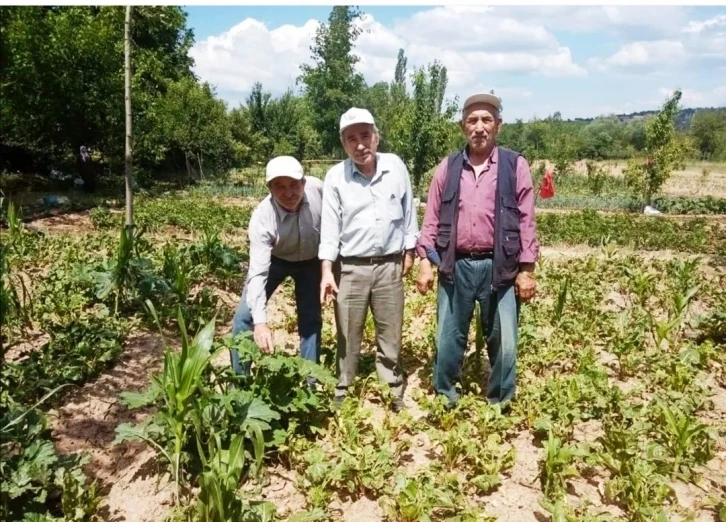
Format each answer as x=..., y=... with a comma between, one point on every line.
x=127, y=92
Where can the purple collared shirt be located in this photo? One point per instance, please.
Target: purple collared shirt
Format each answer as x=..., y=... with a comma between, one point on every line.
x=475, y=229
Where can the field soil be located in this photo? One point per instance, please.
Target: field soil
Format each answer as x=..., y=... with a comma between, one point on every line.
x=137, y=489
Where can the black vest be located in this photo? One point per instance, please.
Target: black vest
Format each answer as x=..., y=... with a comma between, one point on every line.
x=507, y=245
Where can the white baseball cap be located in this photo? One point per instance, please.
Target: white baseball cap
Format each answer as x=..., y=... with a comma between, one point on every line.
x=491, y=99
x=355, y=115
x=283, y=166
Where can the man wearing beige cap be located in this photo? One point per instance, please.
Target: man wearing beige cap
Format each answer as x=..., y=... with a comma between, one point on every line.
x=479, y=228
x=368, y=233
x=284, y=233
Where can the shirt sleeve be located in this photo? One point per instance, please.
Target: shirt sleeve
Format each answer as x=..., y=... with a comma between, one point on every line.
x=331, y=220
x=430, y=225
x=262, y=239
x=527, y=224
x=410, y=213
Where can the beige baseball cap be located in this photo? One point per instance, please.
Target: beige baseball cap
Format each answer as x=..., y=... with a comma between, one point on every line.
x=355, y=115
x=491, y=99
x=283, y=166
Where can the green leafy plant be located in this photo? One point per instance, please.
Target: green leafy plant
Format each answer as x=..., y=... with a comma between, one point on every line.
x=558, y=465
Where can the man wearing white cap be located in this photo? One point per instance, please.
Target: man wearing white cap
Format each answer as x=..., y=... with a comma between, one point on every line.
x=284, y=233
x=368, y=233
x=480, y=226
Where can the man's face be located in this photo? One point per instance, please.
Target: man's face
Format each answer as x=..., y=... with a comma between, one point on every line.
x=480, y=124
x=361, y=143
x=288, y=192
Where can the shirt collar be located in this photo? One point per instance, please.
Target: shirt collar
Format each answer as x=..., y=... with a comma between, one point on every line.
x=493, y=156
x=381, y=167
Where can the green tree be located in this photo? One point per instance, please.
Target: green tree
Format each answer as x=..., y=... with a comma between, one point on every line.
x=602, y=138
x=664, y=153
x=62, y=72
x=377, y=99
x=562, y=145
x=512, y=135
x=430, y=129
x=399, y=77
x=708, y=129
x=634, y=137
x=535, y=139
x=332, y=83
x=192, y=122
x=399, y=117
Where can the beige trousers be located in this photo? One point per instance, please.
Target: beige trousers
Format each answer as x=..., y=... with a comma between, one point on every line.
x=379, y=286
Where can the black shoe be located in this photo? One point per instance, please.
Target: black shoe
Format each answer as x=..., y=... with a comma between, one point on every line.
x=397, y=406
x=338, y=402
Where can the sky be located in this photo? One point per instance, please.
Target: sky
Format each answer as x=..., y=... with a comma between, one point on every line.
x=583, y=61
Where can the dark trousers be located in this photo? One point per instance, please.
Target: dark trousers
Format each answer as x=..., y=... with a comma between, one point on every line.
x=306, y=275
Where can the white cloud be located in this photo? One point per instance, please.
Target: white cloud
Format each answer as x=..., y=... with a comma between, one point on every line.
x=251, y=52
x=699, y=26
x=641, y=56
x=458, y=29
x=706, y=39
x=663, y=19
x=715, y=97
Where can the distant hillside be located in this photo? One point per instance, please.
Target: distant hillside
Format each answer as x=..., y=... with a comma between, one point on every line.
x=683, y=120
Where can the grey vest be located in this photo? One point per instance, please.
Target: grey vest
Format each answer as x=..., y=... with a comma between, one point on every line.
x=507, y=245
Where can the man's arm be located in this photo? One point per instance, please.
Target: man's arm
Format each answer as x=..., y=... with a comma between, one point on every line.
x=331, y=223
x=261, y=242
x=527, y=224
x=410, y=213
x=430, y=225
x=330, y=220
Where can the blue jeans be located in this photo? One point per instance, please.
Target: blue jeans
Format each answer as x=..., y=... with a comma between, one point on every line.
x=306, y=275
x=499, y=318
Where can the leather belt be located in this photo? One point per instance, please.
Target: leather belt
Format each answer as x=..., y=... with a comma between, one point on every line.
x=375, y=260
x=475, y=255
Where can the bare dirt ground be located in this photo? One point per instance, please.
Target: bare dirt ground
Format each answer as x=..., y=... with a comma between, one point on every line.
x=127, y=473
x=136, y=490
x=690, y=182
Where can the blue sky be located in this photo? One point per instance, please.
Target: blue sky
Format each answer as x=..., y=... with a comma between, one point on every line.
x=583, y=61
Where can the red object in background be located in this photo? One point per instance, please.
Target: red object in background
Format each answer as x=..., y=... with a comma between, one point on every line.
x=547, y=188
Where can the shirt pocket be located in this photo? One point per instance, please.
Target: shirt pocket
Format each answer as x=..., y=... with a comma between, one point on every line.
x=395, y=208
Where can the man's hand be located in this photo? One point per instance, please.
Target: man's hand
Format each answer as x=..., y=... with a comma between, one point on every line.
x=328, y=288
x=263, y=338
x=525, y=285
x=425, y=280
x=407, y=263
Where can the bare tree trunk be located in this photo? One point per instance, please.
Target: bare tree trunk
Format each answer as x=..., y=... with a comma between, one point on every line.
x=127, y=91
x=201, y=171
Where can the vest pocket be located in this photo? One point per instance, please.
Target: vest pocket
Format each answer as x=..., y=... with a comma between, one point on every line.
x=511, y=244
x=443, y=235
x=510, y=216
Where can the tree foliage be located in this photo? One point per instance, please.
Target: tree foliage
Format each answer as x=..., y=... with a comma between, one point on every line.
x=62, y=87
x=431, y=128
x=332, y=84
x=62, y=70
x=665, y=152
x=708, y=129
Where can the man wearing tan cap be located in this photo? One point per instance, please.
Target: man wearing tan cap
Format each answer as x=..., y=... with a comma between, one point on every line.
x=480, y=226
x=284, y=233
x=369, y=231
